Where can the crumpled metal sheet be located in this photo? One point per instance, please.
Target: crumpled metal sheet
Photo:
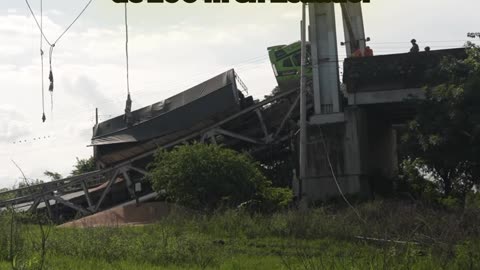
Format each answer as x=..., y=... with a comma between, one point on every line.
x=203, y=101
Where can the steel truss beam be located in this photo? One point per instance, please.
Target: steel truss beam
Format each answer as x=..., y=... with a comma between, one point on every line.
x=123, y=167
x=106, y=190
x=287, y=115
x=237, y=136
x=66, y=203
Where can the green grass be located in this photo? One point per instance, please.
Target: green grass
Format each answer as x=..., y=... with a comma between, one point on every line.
x=318, y=239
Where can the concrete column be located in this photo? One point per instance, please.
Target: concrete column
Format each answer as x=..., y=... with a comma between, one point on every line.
x=323, y=38
x=355, y=140
x=383, y=156
x=353, y=26
x=356, y=151
x=347, y=146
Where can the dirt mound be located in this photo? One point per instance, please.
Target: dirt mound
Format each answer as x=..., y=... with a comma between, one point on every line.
x=145, y=213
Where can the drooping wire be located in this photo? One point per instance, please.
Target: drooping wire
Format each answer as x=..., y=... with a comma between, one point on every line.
x=325, y=147
x=66, y=29
x=128, y=103
x=126, y=48
x=41, y=60
x=52, y=46
x=50, y=77
x=73, y=22
x=36, y=21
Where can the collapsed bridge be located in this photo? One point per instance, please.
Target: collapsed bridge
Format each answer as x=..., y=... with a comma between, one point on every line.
x=361, y=138
x=215, y=110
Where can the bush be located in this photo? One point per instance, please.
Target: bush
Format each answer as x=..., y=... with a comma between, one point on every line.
x=209, y=176
x=84, y=166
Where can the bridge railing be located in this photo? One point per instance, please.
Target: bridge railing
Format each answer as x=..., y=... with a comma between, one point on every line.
x=67, y=185
x=394, y=71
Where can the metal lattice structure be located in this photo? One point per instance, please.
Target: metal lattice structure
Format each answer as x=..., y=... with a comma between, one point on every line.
x=251, y=129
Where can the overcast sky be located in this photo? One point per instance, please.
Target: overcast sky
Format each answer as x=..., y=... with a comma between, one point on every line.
x=172, y=47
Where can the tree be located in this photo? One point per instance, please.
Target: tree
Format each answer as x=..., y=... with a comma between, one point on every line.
x=52, y=175
x=84, y=166
x=6, y=196
x=444, y=137
x=203, y=176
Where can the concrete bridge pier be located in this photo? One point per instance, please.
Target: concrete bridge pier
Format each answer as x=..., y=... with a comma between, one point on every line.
x=347, y=143
x=361, y=150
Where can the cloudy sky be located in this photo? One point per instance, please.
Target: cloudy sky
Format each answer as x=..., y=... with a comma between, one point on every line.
x=172, y=47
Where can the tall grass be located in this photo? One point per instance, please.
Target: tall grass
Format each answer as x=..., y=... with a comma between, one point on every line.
x=399, y=236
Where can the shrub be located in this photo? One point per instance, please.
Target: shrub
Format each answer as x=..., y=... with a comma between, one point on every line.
x=203, y=176
x=84, y=166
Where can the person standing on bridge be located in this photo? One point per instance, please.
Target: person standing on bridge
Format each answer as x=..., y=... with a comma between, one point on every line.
x=368, y=51
x=357, y=52
x=415, y=48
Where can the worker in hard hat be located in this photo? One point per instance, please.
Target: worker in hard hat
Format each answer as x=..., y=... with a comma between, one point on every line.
x=368, y=51
x=357, y=52
x=415, y=48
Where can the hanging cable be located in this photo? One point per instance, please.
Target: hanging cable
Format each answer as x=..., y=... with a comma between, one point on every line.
x=126, y=48
x=50, y=77
x=325, y=147
x=128, y=103
x=41, y=60
x=52, y=46
x=66, y=29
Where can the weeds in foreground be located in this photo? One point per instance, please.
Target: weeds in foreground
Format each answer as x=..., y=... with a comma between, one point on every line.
x=397, y=236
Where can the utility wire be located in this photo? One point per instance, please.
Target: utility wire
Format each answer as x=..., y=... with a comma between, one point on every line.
x=50, y=77
x=126, y=48
x=335, y=177
x=171, y=85
x=66, y=29
x=52, y=46
x=36, y=21
x=128, y=103
x=41, y=60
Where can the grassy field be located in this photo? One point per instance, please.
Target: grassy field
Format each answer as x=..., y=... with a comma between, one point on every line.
x=322, y=238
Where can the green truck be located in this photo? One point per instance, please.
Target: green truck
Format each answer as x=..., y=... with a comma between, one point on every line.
x=286, y=64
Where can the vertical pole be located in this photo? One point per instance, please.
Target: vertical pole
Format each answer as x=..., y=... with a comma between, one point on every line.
x=303, y=106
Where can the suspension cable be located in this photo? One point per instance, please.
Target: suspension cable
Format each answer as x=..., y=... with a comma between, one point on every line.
x=128, y=103
x=50, y=77
x=126, y=48
x=52, y=46
x=66, y=29
x=41, y=61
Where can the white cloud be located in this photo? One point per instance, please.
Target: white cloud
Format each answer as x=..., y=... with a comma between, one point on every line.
x=89, y=72
x=13, y=125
